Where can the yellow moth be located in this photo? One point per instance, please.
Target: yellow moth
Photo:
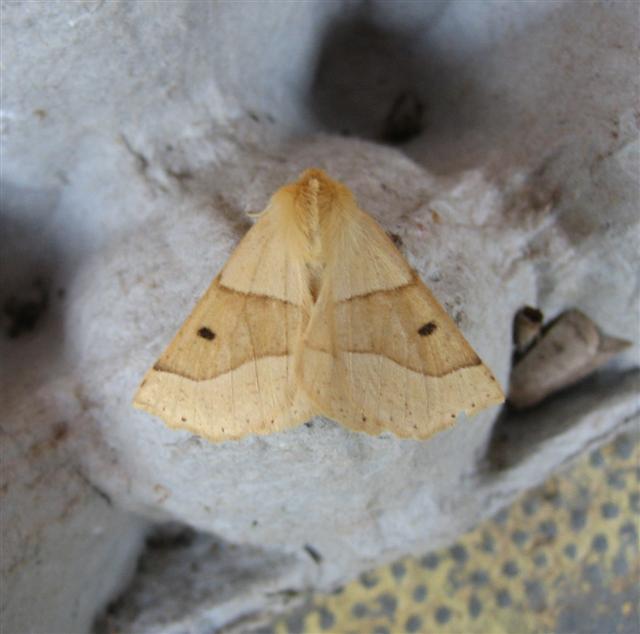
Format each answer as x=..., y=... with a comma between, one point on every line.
x=316, y=313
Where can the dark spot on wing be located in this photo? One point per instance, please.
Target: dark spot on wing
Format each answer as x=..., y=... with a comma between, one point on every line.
x=206, y=333
x=427, y=329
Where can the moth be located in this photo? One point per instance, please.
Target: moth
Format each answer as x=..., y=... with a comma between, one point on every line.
x=316, y=313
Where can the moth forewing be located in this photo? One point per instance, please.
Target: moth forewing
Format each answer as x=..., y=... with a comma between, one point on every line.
x=317, y=313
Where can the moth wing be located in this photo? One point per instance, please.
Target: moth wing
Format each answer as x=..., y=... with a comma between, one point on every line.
x=229, y=371
x=385, y=355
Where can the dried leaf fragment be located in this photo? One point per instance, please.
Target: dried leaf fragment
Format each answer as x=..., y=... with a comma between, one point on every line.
x=569, y=349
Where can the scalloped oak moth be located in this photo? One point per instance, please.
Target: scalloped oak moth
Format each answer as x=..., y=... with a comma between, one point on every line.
x=316, y=313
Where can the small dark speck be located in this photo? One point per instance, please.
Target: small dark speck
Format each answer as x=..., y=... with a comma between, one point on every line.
x=206, y=333
x=628, y=533
x=599, y=543
x=313, y=553
x=623, y=446
x=519, y=537
x=548, y=529
x=459, y=553
x=430, y=561
x=23, y=313
x=616, y=479
x=368, y=579
x=475, y=607
x=171, y=541
x=359, y=610
x=364, y=418
x=620, y=565
x=578, y=519
x=405, y=118
x=396, y=239
x=592, y=574
x=388, y=604
x=413, y=624
x=479, y=577
x=596, y=459
x=443, y=614
x=488, y=543
x=530, y=505
x=327, y=619
x=427, y=329
x=510, y=569
x=503, y=598
x=308, y=424
x=183, y=419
